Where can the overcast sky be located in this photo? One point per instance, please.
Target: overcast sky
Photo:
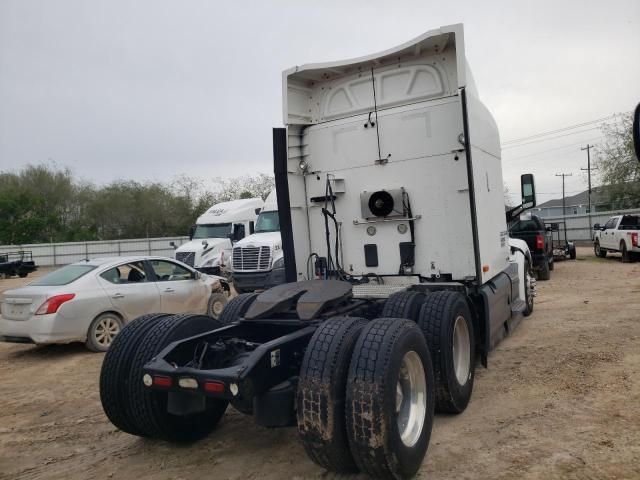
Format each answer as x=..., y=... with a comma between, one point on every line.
x=152, y=89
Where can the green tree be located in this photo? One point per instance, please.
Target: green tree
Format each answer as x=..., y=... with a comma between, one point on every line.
x=617, y=167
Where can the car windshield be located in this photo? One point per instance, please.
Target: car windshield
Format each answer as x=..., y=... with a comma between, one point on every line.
x=63, y=276
x=212, y=230
x=268, y=222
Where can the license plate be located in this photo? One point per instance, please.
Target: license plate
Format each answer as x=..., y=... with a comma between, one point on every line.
x=15, y=312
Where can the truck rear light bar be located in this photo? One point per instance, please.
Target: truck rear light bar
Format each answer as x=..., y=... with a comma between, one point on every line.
x=540, y=242
x=634, y=239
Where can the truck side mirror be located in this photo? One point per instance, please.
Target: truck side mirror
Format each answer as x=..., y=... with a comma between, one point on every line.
x=528, y=189
x=192, y=230
x=596, y=226
x=636, y=131
x=258, y=210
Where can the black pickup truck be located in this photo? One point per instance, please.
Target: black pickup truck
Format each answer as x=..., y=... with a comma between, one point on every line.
x=16, y=263
x=540, y=241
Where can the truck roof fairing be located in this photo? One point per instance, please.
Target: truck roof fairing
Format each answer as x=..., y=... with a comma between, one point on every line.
x=304, y=104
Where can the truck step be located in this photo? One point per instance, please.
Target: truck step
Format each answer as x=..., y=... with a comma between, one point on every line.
x=369, y=290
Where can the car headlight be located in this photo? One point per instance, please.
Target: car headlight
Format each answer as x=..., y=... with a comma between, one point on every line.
x=279, y=263
x=212, y=262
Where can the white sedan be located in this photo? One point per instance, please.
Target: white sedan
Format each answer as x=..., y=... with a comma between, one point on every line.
x=90, y=301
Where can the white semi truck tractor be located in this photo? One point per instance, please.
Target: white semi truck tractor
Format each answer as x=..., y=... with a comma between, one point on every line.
x=401, y=271
x=216, y=230
x=257, y=260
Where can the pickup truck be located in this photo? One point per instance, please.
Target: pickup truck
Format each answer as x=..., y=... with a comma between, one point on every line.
x=540, y=241
x=619, y=234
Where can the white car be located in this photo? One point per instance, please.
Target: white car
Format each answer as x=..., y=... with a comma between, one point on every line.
x=90, y=301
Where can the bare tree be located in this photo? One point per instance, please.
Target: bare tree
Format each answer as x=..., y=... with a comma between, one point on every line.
x=616, y=164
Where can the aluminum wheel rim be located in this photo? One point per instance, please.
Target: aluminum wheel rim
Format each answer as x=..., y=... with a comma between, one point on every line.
x=411, y=399
x=597, y=249
x=461, y=350
x=528, y=292
x=106, y=330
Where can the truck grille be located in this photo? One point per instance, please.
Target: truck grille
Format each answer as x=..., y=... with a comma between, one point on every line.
x=251, y=258
x=186, y=257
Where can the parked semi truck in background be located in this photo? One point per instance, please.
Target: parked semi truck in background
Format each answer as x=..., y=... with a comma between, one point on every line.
x=391, y=213
x=211, y=238
x=257, y=260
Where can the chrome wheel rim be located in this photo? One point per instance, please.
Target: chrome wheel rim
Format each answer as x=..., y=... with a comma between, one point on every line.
x=461, y=350
x=528, y=295
x=411, y=399
x=106, y=330
x=597, y=249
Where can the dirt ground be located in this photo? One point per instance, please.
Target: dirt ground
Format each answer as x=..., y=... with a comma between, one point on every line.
x=559, y=400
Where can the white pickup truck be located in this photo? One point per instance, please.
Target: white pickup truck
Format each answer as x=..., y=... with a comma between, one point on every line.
x=619, y=234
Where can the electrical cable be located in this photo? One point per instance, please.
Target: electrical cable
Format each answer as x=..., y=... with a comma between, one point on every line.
x=563, y=129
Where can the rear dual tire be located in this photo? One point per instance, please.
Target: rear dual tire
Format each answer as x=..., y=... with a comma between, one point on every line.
x=390, y=399
x=138, y=410
x=446, y=322
x=365, y=397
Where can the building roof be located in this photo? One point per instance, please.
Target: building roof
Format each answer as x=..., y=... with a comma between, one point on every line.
x=599, y=195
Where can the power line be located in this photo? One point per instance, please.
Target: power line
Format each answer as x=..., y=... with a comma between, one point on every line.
x=558, y=130
x=540, y=152
x=551, y=138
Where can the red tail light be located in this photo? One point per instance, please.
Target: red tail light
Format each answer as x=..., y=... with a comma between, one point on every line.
x=51, y=305
x=540, y=242
x=634, y=239
x=214, y=387
x=162, y=381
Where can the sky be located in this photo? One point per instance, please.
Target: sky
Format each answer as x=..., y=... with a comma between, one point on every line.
x=152, y=89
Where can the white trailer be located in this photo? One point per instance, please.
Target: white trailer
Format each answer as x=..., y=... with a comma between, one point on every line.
x=257, y=260
x=216, y=230
x=391, y=213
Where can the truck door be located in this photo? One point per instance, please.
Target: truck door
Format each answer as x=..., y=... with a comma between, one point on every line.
x=608, y=237
x=179, y=291
x=130, y=290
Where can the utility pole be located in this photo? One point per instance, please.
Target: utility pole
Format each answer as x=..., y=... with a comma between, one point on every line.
x=588, y=170
x=564, y=208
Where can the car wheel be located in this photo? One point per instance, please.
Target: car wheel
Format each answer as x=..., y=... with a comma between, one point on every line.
x=217, y=302
x=626, y=258
x=600, y=252
x=528, y=293
x=102, y=331
x=572, y=252
x=544, y=273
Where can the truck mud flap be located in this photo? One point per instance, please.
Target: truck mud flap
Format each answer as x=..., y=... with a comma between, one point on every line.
x=496, y=299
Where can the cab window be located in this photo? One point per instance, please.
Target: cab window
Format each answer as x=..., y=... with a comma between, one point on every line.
x=169, y=271
x=125, y=273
